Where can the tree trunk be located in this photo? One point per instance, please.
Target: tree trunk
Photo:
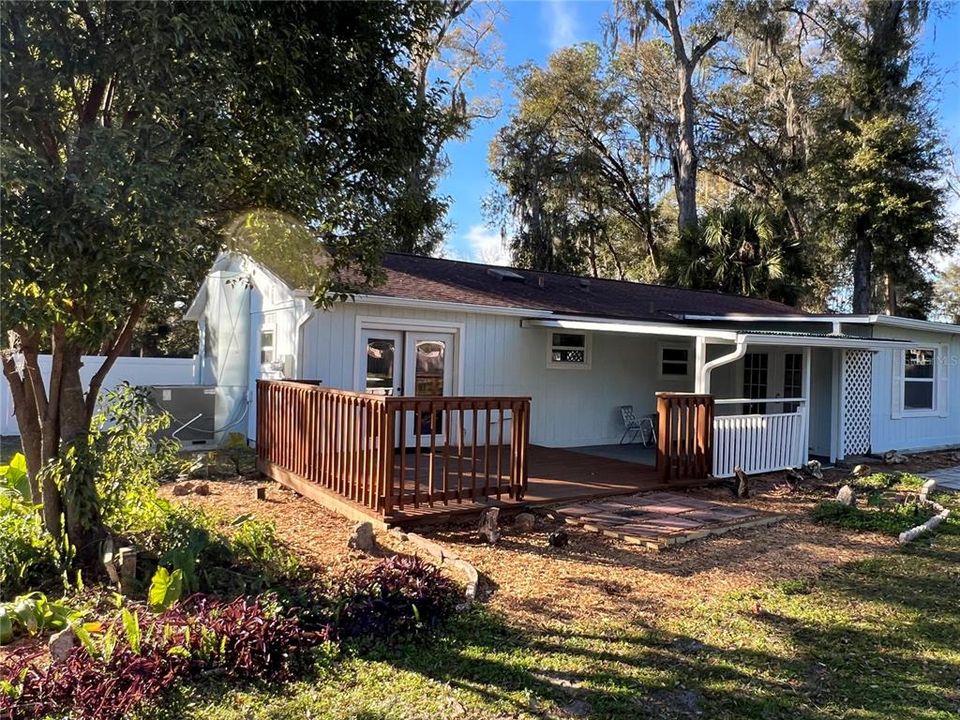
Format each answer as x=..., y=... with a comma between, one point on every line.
x=862, y=271
x=889, y=295
x=84, y=524
x=686, y=161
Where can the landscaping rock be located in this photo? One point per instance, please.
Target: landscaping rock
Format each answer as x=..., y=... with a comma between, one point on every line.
x=524, y=522
x=847, y=496
x=181, y=489
x=559, y=538
x=743, y=483
x=202, y=489
x=928, y=487
x=578, y=708
x=489, y=531
x=814, y=468
x=62, y=644
x=128, y=570
x=362, y=537
x=861, y=471
x=892, y=457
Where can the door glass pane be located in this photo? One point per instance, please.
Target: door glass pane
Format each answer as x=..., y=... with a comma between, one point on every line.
x=380, y=354
x=430, y=360
x=755, y=381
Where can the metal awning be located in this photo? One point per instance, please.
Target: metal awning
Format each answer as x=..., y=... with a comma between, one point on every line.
x=715, y=336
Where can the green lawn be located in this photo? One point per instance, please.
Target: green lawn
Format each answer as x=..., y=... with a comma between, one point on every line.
x=878, y=638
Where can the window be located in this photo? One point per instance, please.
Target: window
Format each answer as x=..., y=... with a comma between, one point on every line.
x=267, y=354
x=755, y=366
x=919, y=380
x=674, y=361
x=568, y=350
x=792, y=379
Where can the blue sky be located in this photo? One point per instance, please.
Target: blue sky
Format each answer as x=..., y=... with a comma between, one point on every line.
x=533, y=29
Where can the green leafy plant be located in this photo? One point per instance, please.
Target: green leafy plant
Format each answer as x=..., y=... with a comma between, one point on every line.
x=32, y=614
x=14, y=482
x=165, y=589
x=891, y=521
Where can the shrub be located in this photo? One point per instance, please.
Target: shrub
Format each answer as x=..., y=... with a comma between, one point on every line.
x=892, y=521
x=28, y=554
x=131, y=461
x=138, y=658
x=399, y=596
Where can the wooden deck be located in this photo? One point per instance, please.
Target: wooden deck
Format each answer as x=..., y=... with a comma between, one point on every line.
x=557, y=476
x=410, y=460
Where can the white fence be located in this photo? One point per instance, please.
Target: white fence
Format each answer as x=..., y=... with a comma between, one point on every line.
x=135, y=370
x=761, y=442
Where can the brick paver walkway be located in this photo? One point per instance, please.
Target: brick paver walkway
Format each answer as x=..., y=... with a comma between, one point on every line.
x=660, y=519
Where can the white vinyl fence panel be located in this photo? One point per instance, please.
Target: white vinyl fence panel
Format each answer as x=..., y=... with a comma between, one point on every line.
x=758, y=443
x=134, y=370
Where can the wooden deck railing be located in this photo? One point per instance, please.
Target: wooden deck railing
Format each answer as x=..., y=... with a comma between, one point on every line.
x=685, y=436
x=394, y=452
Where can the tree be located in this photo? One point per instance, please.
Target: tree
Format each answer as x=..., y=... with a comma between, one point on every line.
x=880, y=159
x=947, y=293
x=690, y=44
x=444, y=63
x=132, y=132
x=578, y=165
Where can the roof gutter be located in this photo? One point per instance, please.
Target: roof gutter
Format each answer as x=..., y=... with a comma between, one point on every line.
x=633, y=328
x=834, y=320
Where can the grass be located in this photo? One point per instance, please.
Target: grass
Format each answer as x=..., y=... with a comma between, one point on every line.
x=878, y=638
x=890, y=521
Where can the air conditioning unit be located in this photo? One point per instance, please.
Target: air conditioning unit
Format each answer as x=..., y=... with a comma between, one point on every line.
x=193, y=412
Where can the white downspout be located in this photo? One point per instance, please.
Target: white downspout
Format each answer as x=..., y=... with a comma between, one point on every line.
x=704, y=372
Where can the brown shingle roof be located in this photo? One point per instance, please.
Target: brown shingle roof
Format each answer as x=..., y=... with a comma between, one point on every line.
x=426, y=278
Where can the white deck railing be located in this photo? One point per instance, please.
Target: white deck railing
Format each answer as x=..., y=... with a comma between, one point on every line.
x=759, y=443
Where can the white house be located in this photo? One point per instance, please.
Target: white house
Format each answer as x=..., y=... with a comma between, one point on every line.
x=788, y=385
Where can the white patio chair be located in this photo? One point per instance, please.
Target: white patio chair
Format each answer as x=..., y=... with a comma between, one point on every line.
x=641, y=428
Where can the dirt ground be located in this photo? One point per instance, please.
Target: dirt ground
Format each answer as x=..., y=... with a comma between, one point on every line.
x=594, y=577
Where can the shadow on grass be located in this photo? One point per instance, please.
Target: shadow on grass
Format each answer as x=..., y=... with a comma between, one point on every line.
x=822, y=660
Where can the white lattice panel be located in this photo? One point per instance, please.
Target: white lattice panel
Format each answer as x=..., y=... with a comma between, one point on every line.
x=855, y=428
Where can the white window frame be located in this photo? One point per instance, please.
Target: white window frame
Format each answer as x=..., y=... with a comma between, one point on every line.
x=934, y=381
x=673, y=346
x=587, y=350
x=272, y=329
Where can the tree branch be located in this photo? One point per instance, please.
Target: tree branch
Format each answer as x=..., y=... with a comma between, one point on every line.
x=120, y=345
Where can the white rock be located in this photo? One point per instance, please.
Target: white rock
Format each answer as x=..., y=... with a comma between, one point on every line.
x=362, y=537
x=62, y=644
x=928, y=487
x=846, y=496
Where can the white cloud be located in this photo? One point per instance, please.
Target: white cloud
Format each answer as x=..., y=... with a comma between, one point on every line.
x=561, y=21
x=486, y=246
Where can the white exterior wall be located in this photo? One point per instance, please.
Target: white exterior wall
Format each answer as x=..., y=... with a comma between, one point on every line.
x=915, y=432
x=134, y=370
x=570, y=407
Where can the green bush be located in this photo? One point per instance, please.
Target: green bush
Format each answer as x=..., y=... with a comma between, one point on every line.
x=888, y=481
x=131, y=461
x=892, y=521
x=27, y=554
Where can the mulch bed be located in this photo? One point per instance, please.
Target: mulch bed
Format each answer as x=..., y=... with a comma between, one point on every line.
x=596, y=577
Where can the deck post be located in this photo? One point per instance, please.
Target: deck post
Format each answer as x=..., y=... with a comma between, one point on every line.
x=685, y=437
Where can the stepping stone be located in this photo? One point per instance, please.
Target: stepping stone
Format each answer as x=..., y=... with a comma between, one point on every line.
x=577, y=510
x=606, y=518
x=676, y=523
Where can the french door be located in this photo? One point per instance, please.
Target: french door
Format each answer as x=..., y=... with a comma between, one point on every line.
x=409, y=364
